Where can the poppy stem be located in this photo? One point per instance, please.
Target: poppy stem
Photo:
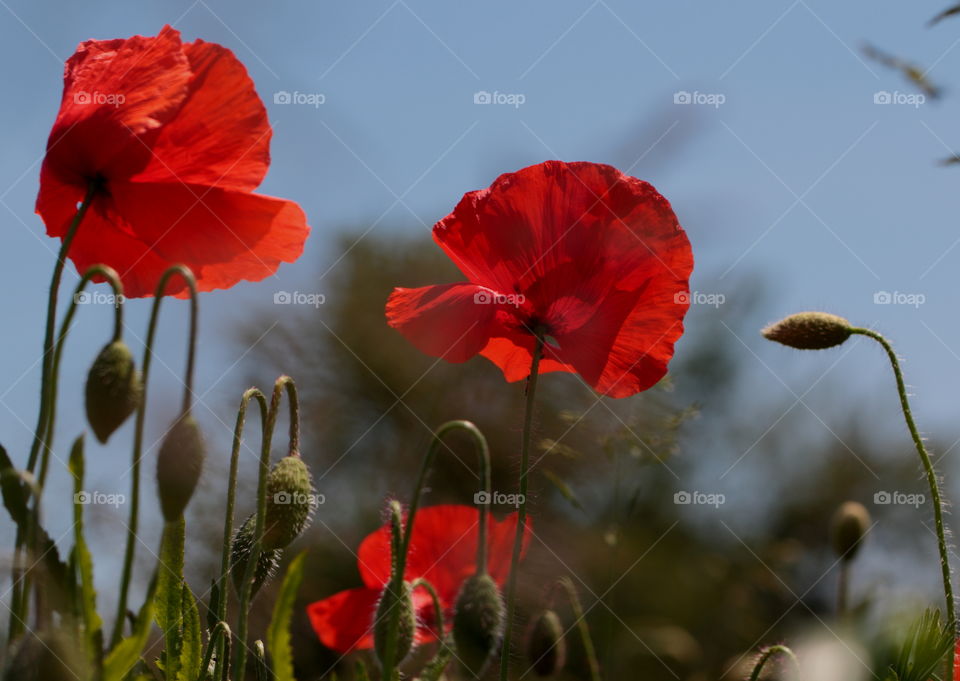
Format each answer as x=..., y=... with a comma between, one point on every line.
x=843, y=585
x=281, y=384
x=483, y=453
x=223, y=587
x=765, y=656
x=437, y=607
x=580, y=618
x=130, y=550
x=18, y=611
x=522, y=510
x=932, y=480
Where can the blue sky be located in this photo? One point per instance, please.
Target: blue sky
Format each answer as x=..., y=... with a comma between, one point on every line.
x=798, y=174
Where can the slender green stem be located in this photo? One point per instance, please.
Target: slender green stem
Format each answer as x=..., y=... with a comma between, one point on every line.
x=586, y=639
x=281, y=384
x=19, y=598
x=843, y=583
x=522, y=511
x=483, y=455
x=219, y=632
x=765, y=656
x=437, y=606
x=931, y=479
x=130, y=550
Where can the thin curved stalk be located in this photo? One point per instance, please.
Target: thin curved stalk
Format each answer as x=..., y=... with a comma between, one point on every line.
x=585, y=638
x=768, y=653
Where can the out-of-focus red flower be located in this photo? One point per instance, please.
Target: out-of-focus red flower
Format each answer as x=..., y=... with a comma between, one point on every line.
x=443, y=550
x=593, y=259
x=175, y=139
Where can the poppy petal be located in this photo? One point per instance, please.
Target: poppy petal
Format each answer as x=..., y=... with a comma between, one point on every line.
x=344, y=621
x=443, y=321
x=224, y=235
x=114, y=92
x=221, y=135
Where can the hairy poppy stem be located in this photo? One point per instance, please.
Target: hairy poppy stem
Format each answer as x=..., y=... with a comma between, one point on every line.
x=281, y=384
x=483, y=454
x=931, y=480
x=566, y=584
x=522, y=511
x=18, y=611
x=223, y=589
x=765, y=656
x=130, y=550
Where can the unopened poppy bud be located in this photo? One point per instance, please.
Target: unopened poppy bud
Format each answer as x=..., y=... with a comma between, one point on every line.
x=179, y=465
x=546, y=649
x=114, y=389
x=848, y=527
x=407, y=621
x=291, y=501
x=240, y=549
x=478, y=619
x=809, y=330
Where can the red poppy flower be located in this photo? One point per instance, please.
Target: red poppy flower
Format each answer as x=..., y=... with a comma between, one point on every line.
x=592, y=259
x=175, y=139
x=443, y=550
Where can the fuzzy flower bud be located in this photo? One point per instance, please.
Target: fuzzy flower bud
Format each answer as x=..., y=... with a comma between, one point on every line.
x=848, y=527
x=179, y=465
x=478, y=620
x=240, y=550
x=114, y=389
x=403, y=602
x=546, y=649
x=291, y=502
x=809, y=330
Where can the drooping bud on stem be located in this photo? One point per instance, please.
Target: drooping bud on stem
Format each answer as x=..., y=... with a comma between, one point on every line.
x=847, y=529
x=179, y=466
x=291, y=501
x=113, y=390
x=546, y=649
x=478, y=620
x=809, y=331
x=395, y=620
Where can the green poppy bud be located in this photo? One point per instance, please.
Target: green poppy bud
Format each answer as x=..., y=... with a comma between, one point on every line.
x=291, y=501
x=179, y=465
x=478, y=620
x=546, y=649
x=848, y=527
x=809, y=330
x=114, y=389
x=407, y=627
x=240, y=549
